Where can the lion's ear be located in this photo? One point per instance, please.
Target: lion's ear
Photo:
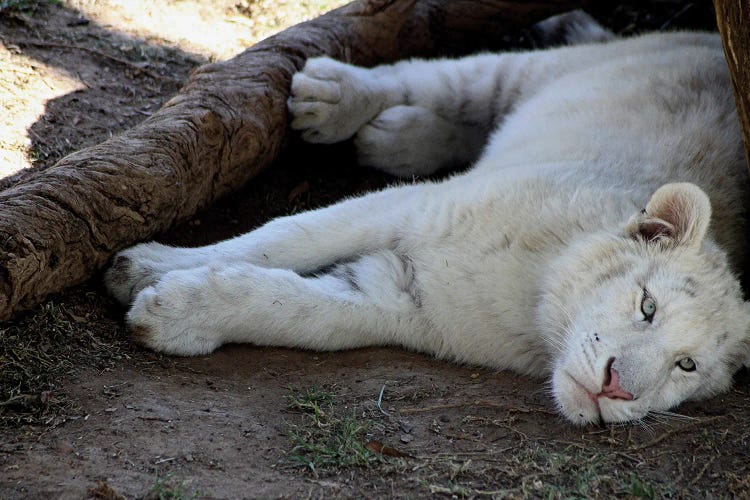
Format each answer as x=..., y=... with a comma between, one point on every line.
x=677, y=213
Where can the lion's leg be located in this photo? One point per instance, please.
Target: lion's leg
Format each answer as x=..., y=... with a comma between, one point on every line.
x=303, y=243
x=365, y=302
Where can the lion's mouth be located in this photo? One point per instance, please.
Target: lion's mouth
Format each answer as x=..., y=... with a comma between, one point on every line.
x=590, y=395
x=610, y=389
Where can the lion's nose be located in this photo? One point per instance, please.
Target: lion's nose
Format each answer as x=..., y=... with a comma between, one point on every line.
x=611, y=386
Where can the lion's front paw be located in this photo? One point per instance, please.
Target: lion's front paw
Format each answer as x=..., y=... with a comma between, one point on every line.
x=330, y=101
x=134, y=269
x=172, y=317
x=126, y=277
x=395, y=142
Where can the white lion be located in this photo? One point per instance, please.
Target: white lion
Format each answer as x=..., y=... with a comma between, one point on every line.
x=581, y=246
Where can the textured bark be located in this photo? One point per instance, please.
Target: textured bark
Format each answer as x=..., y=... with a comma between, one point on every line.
x=59, y=226
x=733, y=18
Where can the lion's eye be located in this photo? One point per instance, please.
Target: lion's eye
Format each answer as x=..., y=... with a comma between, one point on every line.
x=687, y=364
x=648, y=307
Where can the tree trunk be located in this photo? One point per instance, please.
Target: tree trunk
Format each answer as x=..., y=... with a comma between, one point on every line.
x=733, y=18
x=60, y=225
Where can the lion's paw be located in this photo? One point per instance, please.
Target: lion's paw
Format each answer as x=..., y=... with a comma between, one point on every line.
x=126, y=277
x=330, y=101
x=136, y=268
x=395, y=142
x=172, y=317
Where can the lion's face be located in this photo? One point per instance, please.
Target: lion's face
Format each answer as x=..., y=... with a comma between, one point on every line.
x=644, y=321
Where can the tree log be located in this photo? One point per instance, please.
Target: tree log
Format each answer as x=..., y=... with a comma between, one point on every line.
x=60, y=225
x=733, y=18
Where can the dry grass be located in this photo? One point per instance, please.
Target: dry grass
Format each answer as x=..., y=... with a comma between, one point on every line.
x=39, y=351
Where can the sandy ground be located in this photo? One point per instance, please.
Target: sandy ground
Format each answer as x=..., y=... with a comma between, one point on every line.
x=102, y=418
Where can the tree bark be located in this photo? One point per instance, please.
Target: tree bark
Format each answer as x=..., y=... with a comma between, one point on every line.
x=60, y=225
x=733, y=18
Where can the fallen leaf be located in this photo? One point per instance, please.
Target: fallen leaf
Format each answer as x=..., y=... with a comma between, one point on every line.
x=105, y=491
x=300, y=189
x=77, y=319
x=383, y=449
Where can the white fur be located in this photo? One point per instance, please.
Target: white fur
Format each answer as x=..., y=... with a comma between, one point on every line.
x=536, y=260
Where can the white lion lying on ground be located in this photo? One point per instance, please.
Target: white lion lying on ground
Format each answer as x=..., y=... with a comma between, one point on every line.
x=581, y=246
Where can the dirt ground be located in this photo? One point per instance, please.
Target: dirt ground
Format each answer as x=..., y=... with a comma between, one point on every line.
x=83, y=413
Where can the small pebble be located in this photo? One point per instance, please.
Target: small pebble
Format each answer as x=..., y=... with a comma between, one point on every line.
x=405, y=426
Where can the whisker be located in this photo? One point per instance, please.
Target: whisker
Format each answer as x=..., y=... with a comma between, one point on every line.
x=673, y=416
x=558, y=303
x=647, y=427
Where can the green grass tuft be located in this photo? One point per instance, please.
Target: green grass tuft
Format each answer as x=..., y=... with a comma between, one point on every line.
x=166, y=488
x=326, y=440
x=310, y=400
x=639, y=489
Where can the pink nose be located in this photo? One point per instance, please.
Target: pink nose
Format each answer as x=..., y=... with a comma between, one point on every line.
x=611, y=387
